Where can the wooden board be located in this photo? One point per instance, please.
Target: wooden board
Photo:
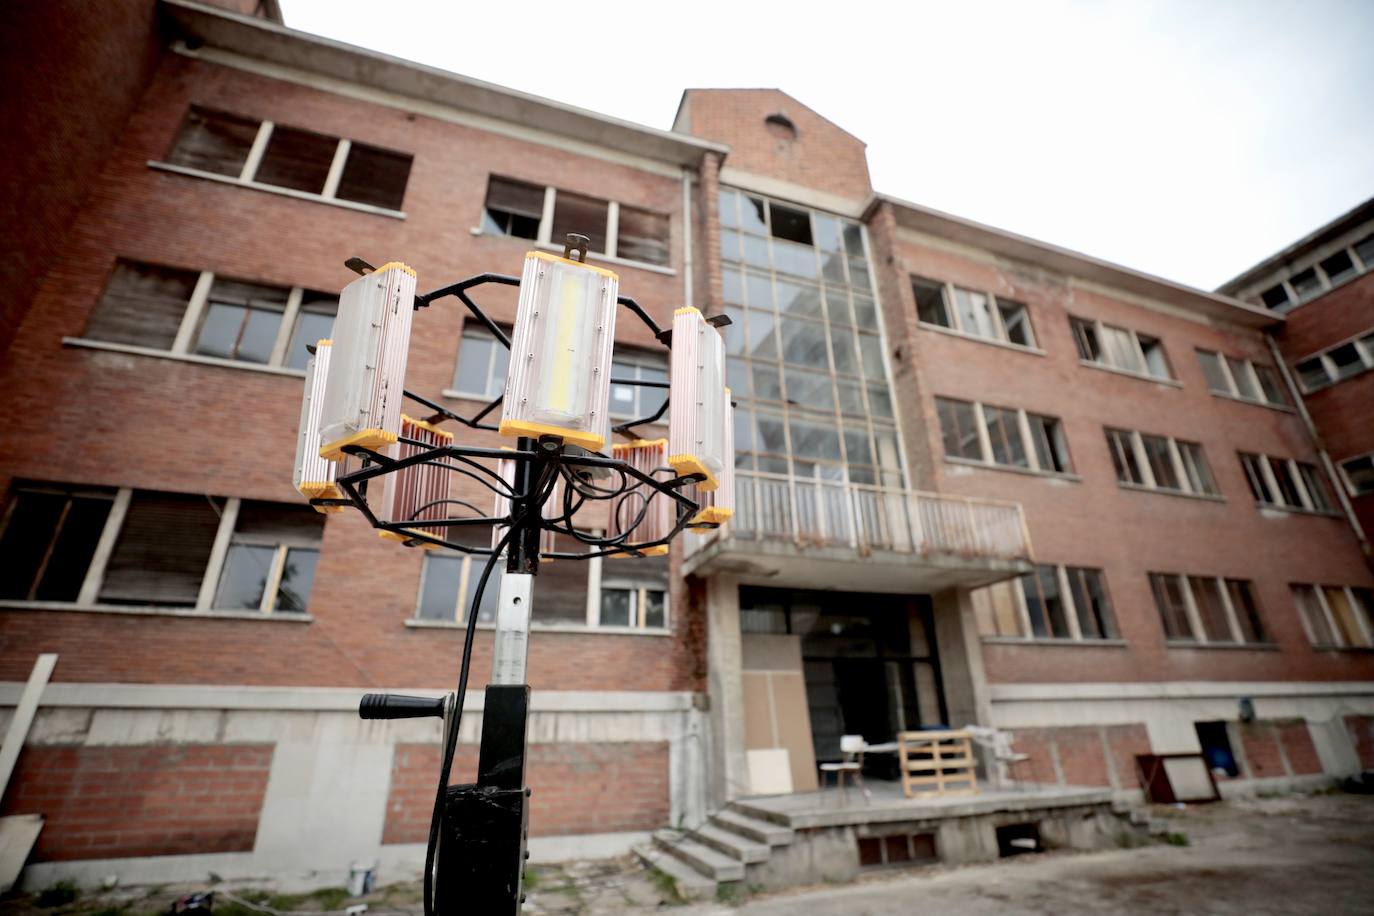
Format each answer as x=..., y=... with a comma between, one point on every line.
x=937, y=763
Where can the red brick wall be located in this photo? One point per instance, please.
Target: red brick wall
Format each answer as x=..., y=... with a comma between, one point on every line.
x=1126, y=742
x=574, y=788
x=1093, y=521
x=1361, y=730
x=1260, y=742
x=157, y=800
x=823, y=156
x=1298, y=748
x=72, y=80
x=1082, y=752
x=134, y=412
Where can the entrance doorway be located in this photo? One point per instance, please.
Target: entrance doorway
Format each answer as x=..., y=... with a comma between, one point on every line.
x=870, y=663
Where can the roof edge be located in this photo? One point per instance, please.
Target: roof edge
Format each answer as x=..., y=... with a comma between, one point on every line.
x=1078, y=264
x=278, y=43
x=1357, y=214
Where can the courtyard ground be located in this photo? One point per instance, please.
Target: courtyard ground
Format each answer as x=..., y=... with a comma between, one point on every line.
x=1287, y=854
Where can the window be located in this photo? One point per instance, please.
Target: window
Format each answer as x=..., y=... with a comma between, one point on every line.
x=1005, y=434
x=1120, y=348
x=1160, y=463
x=448, y=582
x=1338, y=267
x=513, y=208
x=1306, y=283
x=160, y=549
x=1365, y=250
x=49, y=538
x=974, y=313
x=1335, y=616
x=633, y=606
x=635, y=401
x=1359, y=474
x=190, y=313
x=482, y=364
x=1207, y=609
x=1054, y=602
x=617, y=231
x=270, y=564
x=318, y=165
x=1286, y=484
x=1276, y=298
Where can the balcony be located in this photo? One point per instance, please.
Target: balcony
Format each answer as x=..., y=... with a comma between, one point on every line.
x=831, y=534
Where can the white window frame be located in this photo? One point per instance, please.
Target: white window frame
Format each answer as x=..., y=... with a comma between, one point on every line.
x=639, y=361
x=999, y=327
x=543, y=237
x=1361, y=612
x=1270, y=467
x=247, y=176
x=638, y=602
x=1100, y=328
x=1364, y=350
x=1027, y=443
x=1147, y=473
x=476, y=330
x=1194, y=615
x=1346, y=478
x=1224, y=360
x=1061, y=571
x=94, y=578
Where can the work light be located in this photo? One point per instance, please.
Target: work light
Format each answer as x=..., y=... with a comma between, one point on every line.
x=366, y=380
x=642, y=511
x=416, y=492
x=696, y=417
x=313, y=476
x=558, y=382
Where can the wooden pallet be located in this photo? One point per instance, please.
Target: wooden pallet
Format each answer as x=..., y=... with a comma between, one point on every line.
x=937, y=763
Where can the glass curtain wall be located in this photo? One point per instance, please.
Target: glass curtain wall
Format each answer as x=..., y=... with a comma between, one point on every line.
x=805, y=347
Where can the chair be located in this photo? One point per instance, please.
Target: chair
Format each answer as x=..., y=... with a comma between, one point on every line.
x=999, y=742
x=852, y=747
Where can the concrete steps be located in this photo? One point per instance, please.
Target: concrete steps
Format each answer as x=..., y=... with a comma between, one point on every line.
x=731, y=844
x=716, y=852
x=762, y=831
x=710, y=862
x=689, y=883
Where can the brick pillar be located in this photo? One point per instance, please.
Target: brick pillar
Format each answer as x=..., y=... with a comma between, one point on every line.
x=708, y=257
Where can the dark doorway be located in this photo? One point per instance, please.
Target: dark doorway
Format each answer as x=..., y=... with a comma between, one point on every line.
x=1216, y=747
x=870, y=663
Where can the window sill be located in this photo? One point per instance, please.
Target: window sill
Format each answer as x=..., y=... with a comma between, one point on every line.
x=1367, y=649
x=988, y=466
x=273, y=189
x=1077, y=643
x=1143, y=376
x=1283, y=408
x=1232, y=646
x=544, y=628
x=1272, y=510
x=135, y=350
x=964, y=335
x=591, y=255
x=136, y=611
x=1165, y=491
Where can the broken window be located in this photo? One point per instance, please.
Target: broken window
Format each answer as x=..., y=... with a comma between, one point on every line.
x=241, y=321
x=374, y=176
x=1338, y=267
x=1306, y=283
x=582, y=215
x=213, y=141
x=143, y=305
x=1365, y=250
x=1359, y=474
x=1246, y=610
x=1016, y=322
x=1094, y=609
x=1156, y=362
x=642, y=236
x=1276, y=298
x=1045, y=603
x=959, y=429
x=513, y=208
x=162, y=551
x=1085, y=336
x=1172, y=607
x=50, y=536
x=791, y=225
x=1051, y=446
x=296, y=159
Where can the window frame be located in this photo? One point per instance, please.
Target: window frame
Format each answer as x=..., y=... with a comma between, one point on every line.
x=247, y=176
x=1325, y=282
x=1193, y=612
x=544, y=233
x=1226, y=364
x=639, y=360
x=93, y=580
x=1270, y=467
x=1104, y=358
x=1349, y=482
x=993, y=305
x=1362, y=612
x=1023, y=433
x=1064, y=575
x=1180, y=468
x=1363, y=342
x=188, y=330
x=476, y=331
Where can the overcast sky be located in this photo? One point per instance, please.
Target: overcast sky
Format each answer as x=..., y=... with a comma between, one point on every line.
x=1188, y=138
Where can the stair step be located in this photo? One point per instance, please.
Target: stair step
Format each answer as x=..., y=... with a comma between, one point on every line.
x=752, y=827
x=729, y=843
x=690, y=883
x=759, y=813
x=703, y=858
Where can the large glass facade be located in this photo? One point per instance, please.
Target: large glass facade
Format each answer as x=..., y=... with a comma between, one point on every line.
x=805, y=347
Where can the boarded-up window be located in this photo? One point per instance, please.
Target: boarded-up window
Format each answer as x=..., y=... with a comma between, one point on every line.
x=142, y=305
x=50, y=535
x=562, y=586
x=513, y=208
x=297, y=159
x=582, y=215
x=642, y=236
x=374, y=176
x=162, y=551
x=213, y=141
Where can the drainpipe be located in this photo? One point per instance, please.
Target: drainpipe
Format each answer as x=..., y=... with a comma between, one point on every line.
x=1327, y=464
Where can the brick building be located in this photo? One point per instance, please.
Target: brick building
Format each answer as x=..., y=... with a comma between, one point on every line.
x=921, y=399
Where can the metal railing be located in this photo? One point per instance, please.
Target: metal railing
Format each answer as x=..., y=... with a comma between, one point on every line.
x=868, y=518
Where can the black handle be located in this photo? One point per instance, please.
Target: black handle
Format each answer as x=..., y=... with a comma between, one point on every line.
x=398, y=706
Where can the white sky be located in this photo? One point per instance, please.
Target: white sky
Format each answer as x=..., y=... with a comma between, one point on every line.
x=1187, y=138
